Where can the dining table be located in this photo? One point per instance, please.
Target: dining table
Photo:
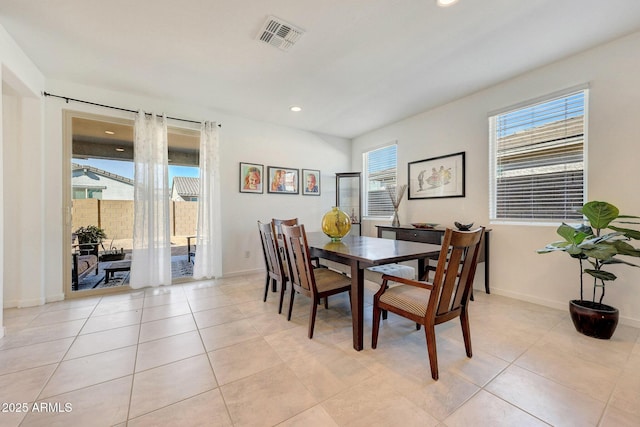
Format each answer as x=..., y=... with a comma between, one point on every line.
x=361, y=252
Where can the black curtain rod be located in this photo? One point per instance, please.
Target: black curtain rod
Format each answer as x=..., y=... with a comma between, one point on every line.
x=67, y=99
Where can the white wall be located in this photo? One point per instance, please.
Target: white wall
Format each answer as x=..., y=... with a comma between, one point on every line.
x=612, y=72
x=21, y=191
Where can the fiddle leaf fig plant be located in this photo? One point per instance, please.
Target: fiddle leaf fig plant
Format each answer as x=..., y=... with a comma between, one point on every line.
x=591, y=245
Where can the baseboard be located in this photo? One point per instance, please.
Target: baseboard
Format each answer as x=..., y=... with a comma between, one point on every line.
x=22, y=303
x=56, y=297
x=628, y=321
x=243, y=272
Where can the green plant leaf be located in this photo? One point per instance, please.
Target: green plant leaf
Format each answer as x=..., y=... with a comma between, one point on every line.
x=632, y=234
x=625, y=248
x=603, y=250
x=599, y=214
x=619, y=261
x=599, y=274
x=574, y=235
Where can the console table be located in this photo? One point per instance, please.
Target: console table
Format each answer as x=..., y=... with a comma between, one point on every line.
x=434, y=235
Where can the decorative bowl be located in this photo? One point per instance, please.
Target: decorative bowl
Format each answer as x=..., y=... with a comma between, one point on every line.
x=463, y=227
x=424, y=224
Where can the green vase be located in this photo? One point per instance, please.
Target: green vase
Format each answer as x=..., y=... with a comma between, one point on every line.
x=336, y=224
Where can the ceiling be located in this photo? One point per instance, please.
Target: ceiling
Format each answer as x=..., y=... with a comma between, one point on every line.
x=360, y=64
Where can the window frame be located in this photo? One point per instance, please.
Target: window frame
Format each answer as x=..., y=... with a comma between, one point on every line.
x=493, y=154
x=366, y=181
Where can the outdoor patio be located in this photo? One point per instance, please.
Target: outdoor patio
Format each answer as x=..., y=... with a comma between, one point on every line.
x=181, y=267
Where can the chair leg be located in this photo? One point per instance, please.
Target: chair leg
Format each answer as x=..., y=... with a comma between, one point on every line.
x=283, y=288
x=385, y=313
x=376, y=324
x=466, y=332
x=312, y=317
x=326, y=302
x=266, y=288
x=293, y=292
x=430, y=334
x=418, y=326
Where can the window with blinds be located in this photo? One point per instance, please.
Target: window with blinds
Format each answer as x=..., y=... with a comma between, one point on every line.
x=537, y=155
x=380, y=171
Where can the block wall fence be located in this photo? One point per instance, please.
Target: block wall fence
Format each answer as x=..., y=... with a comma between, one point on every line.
x=116, y=217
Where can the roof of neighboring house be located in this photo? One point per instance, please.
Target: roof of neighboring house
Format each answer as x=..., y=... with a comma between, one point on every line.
x=76, y=166
x=186, y=186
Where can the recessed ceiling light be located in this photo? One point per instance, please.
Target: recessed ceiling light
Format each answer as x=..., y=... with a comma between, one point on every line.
x=120, y=149
x=109, y=132
x=446, y=3
x=295, y=108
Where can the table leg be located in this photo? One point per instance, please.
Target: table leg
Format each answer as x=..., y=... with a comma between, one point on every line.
x=357, y=304
x=486, y=262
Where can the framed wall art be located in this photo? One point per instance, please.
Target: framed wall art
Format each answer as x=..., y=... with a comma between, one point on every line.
x=437, y=177
x=310, y=182
x=282, y=180
x=251, y=178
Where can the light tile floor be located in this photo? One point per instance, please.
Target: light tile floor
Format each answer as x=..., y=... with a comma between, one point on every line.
x=212, y=353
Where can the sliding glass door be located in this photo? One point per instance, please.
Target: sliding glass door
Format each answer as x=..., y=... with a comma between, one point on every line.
x=100, y=201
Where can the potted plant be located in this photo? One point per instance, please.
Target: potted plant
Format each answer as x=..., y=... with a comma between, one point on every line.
x=89, y=238
x=595, y=250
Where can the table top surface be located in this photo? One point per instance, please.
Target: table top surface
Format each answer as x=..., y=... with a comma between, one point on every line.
x=371, y=250
x=118, y=264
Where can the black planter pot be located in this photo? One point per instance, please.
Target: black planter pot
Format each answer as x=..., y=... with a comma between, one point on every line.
x=594, y=319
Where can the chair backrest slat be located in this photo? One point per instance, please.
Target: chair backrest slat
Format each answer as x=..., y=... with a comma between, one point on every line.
x=278, y=223
x=271, y=249
x=299, y=259
x=455, y=271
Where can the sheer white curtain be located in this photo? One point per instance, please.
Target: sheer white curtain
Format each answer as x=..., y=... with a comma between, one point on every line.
x=208, y=260
x=151, y=258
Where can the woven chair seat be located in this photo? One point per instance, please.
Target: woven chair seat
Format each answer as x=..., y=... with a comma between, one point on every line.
x=328, y=280
x=408, y=298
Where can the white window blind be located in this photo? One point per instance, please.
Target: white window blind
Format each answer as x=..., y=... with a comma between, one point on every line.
x=537, y=153
x=380, y=168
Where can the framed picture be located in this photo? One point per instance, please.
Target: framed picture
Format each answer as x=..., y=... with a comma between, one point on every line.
x=282, y=180
x=437, y=177
x=251, y=178
x=310, y=182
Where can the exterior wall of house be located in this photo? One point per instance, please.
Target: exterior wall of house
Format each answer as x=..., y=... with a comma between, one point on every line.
x=112, y=189
x=517, y=271
x=175, y=196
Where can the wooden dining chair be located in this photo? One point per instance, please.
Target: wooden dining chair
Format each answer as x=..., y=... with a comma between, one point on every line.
x=276, y=272
x=278, y=223
x=431, y=303
x=315, y=283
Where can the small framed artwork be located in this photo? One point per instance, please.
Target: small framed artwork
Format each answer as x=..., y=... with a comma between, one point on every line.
x=282, y=180
x=437, y=177
x=310, y=182
x=251, y=178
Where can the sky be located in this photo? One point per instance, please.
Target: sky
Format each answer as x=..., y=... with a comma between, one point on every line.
x=125, y=169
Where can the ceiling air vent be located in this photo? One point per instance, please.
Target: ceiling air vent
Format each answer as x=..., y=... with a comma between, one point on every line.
x=279, y=33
